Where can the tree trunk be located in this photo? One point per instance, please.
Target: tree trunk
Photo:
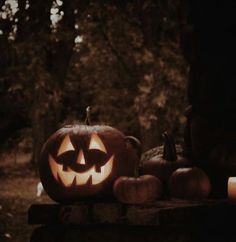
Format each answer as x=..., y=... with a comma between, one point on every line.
x=48, y=103
x=208, y=43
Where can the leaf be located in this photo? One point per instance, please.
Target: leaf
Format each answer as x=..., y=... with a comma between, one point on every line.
x=15, y=87
x=160, y=100
x=7, y=235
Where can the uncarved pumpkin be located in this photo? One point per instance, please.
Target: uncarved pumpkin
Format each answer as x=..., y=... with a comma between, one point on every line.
x=166, y=160
x=137, y=190
x=189, y=183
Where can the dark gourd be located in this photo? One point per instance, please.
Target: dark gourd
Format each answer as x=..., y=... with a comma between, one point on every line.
x=164, y=161
x=189, y=183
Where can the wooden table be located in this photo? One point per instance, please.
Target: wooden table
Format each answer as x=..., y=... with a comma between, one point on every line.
x=163, y=221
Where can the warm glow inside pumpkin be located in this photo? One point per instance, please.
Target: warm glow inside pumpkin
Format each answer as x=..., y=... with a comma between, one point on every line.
x=80, y=161
x=91, y=175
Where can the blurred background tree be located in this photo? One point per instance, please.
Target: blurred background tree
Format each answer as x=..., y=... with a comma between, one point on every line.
x=121, y=57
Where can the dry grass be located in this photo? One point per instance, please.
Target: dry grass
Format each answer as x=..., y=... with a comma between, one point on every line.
x=17, y=192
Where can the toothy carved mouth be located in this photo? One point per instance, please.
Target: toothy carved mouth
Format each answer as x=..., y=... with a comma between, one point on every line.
x=70, y=177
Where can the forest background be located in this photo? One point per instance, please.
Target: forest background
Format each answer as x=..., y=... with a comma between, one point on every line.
x=122, y=58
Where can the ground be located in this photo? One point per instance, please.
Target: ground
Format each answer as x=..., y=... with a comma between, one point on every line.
x=18, y=189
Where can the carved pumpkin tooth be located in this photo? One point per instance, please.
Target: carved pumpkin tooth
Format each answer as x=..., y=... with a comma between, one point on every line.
x=74, y=182
x=82, y=178
x=104, y=173
x=98, y=168
x=59, y=179
x=65, y=167
x=89, y=181
x=66, y=177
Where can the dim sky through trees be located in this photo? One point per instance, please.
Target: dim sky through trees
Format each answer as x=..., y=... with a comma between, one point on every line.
x=121, y=58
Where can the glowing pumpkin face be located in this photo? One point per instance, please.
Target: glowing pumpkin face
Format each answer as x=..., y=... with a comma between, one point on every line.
x=83, y=161
x=84, y=171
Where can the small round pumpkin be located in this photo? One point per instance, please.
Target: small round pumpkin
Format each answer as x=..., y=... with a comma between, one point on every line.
x=83, y=161
x=137, y=190
x=166, y=160
x=189, y=183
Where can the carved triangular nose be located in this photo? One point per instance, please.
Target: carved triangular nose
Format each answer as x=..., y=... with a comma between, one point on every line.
x=80, y=159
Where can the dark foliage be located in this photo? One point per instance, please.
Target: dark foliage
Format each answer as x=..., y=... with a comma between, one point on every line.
x=120, y=57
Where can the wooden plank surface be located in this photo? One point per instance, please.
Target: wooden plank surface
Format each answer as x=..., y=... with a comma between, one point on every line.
x=161, y=213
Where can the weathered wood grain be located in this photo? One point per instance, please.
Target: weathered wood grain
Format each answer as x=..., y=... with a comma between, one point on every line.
x=161, y=213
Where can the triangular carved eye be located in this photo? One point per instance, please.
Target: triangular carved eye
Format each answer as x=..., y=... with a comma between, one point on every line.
x=96, y=143
x=66, y=145
x=80, y=159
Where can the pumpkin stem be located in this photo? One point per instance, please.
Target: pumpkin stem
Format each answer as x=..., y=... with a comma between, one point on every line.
x=169, y=152
x=87, y=119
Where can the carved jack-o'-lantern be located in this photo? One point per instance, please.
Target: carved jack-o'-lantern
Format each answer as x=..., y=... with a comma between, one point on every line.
x=81, y=161
x=84, y=171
